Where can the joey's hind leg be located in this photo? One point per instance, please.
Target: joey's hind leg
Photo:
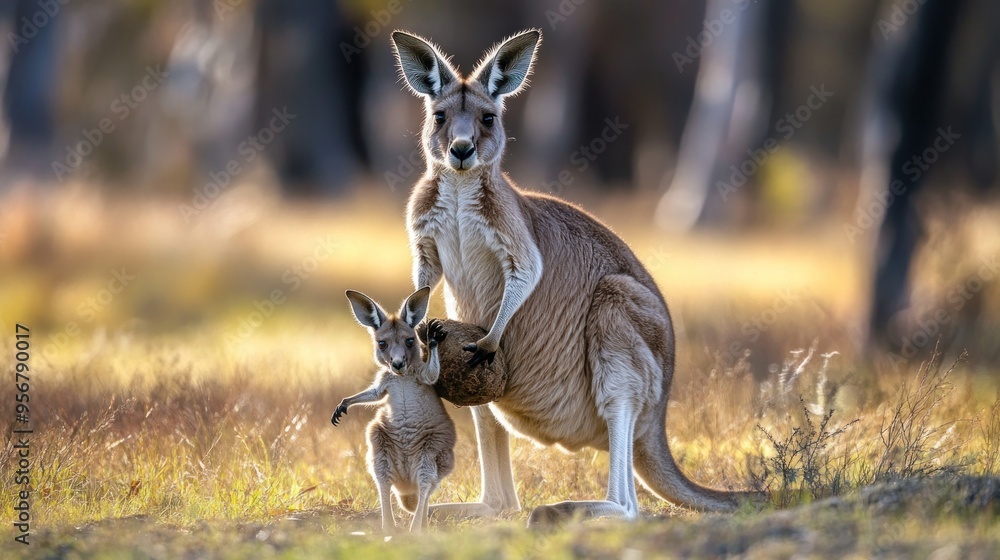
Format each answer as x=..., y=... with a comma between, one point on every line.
x=627, y=376
x=385, y=503
x=380, y=467
x=427, y=482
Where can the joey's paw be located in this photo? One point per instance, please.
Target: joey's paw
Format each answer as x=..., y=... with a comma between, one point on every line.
x=481, y=352
x=341, y=411
x=435, y=332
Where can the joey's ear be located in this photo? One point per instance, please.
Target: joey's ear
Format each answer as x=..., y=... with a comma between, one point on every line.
x=422, y=65
x=367, y=312
x=414, y=309
x=505, y=68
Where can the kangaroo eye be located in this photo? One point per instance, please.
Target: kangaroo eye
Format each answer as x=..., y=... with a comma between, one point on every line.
x=439, y=118
x=382, y=344
x=488, y=120
x=409, y=343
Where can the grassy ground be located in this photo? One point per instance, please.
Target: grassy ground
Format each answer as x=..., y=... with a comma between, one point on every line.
x=187, y=413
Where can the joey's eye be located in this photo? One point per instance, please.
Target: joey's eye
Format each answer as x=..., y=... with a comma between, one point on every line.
x=382, y=344
x=488, y=120
x=439, y=118
x=409, y=343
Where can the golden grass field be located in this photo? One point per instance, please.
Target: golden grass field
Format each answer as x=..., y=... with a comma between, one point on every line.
x=169, y=422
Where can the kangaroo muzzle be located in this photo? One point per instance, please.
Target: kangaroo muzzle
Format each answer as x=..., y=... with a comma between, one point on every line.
x=462, y=154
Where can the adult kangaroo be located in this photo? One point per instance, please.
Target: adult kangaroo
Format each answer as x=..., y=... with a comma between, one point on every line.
x=586, y=334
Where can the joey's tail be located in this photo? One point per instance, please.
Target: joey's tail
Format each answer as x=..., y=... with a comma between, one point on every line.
x=408, y=502
x=659, y=473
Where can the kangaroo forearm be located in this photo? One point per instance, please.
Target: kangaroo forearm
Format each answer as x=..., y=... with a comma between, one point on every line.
x=517, y=288
x=433, y=365
x=513, y=297
x=426, y=275
x=430, y=370
x=427, y=269
x=368, y=396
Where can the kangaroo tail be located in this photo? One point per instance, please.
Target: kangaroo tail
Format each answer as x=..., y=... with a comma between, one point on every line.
x=655, y=466
x=408, y=502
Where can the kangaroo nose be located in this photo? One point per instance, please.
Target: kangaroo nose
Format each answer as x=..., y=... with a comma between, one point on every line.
x=398, y=365
x=462, y=149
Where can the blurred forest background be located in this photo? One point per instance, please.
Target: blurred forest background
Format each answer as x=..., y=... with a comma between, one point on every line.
x=187, y=188
x=746, y=148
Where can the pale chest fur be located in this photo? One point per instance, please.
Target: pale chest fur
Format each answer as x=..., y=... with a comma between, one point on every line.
x=468, y=251
x=414, y=414
x=548, y=394
x=410, y=429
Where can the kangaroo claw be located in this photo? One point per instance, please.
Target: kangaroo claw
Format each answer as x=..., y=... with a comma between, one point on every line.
x=479, y=355
x=435, y=331
x=341, y=411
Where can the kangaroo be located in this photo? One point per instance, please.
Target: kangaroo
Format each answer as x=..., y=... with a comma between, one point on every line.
x=585, y=331
x=411, y=441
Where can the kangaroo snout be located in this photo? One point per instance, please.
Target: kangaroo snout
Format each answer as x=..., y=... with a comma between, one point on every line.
x=462, y=150
x=399, y=365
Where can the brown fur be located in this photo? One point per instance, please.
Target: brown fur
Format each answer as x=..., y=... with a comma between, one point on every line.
x=411, y=440
x=585, y=331
x=460, y=384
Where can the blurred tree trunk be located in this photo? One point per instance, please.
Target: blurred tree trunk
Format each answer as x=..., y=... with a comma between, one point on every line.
x=301, y=68
x=908, y=81
x=607, y=100
x=740, y=76
x=28, y=94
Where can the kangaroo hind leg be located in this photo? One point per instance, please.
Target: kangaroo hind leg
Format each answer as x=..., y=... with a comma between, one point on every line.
x=385, y=504
x=496, y=475
x=427, y=483
x=621, y=500
x=626, y=378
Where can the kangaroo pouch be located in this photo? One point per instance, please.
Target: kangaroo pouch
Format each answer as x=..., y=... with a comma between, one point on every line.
x=460, y=384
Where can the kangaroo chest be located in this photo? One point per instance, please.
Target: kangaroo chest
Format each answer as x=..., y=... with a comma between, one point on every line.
x=415, y=415
x=468, y=252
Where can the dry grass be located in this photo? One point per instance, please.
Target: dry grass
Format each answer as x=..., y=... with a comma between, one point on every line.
x=155, y=410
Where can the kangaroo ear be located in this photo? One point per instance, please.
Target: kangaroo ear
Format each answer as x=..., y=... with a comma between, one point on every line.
x=425, y=70
x=504, y=70
x=414, y=309
x=368, y=313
